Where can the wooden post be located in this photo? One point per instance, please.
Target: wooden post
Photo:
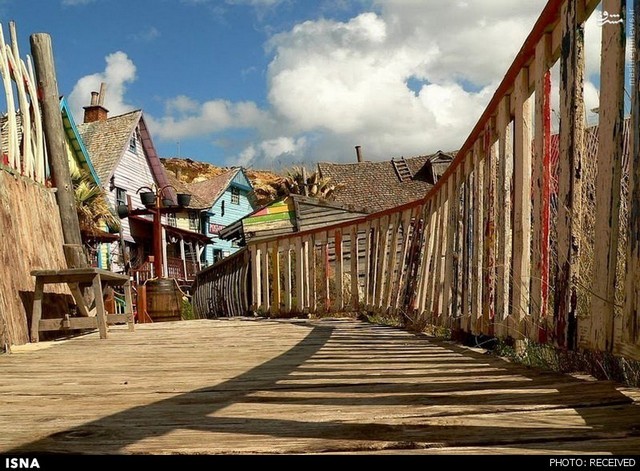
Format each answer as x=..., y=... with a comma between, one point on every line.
x=264, y=271
x=610, y=149
x=355, y=299
x=275, y=264
x=452, y=226
x=489, y=222
x=56, y=148
x=631, y=320
x=521, y=202
x=339, y=271
x=505, y=171
x=477, y=262
x=541, y=176
x=569, y=175
x=299, y=275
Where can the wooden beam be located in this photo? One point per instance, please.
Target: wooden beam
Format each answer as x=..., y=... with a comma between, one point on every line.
x=477, y=262
x=505, y=174
x=569, y=175
x=608, y=178
x=489, y=222
x=264, y=270
x=521, y=202
x=277, y=290
x=631, y=320
x=353, y=247
x=300, y=287
x=452, y=226
x=541, y=176
x=56, y=145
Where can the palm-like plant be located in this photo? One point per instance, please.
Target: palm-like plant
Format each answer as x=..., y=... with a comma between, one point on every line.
x=298, y=182
x=93, y=209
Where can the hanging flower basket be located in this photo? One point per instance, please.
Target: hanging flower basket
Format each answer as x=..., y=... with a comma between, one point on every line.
x=184, y=199
x=148, y=198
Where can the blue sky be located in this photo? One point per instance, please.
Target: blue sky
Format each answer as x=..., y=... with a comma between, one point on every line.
x=269, y=83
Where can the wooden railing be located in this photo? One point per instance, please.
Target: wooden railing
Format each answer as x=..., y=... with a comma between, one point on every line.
x=502, y=245
x=222, y=289
x=23, y=149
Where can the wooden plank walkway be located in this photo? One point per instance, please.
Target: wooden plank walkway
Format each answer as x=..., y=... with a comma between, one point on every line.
x=260, y=386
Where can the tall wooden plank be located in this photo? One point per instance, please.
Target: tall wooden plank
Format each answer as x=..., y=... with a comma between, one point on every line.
x=307, y=272
x=610, y=148
x=339, y=271
x=381, y=276
x=505, y=172
x=477, y=257
x=313, y=277
x=368, y=254
x=326, y=272
x=101, y=314
x=441, y=253
x=266, y=298
x=541, y=177
x=452, y=226
x=407, y=217
x=288, y=286
x=353, y=249
x=256, y=278
x=569, y=175
x=467, y=231
x=275, y=268
x=521, y=202
x=631, y=319
x=489, y=222
x=299, y=274
x=393, y=259
x=425, y=259
x=432, y=304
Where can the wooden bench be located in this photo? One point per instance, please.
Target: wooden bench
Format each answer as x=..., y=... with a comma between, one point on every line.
x=77, y=279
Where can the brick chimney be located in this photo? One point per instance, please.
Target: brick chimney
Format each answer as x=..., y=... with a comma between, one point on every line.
x=96, y=111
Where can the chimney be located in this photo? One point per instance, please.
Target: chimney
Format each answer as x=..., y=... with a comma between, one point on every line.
x=95, y=111
x=359, y=153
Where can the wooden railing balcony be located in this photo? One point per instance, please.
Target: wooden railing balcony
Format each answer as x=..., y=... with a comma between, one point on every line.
x=485, y=252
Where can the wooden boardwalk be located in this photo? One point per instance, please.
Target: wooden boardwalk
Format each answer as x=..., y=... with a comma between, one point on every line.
x=259, y=386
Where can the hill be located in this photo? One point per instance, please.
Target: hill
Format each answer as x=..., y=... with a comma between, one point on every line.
x=265, y=182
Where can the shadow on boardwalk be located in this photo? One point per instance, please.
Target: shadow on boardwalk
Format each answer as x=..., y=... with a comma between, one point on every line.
x=356, y=387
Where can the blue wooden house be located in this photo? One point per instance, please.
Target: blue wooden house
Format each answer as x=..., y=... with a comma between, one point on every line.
x=228, y=197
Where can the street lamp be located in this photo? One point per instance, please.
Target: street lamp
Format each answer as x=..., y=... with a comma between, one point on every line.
x=156, y=204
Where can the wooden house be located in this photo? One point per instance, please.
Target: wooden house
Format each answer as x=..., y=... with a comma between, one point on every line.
x=228, y=198
x=293, y=213
x=377, y=186
x=125, y=161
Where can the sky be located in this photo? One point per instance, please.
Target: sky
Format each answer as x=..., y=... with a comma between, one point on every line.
x=271, y=83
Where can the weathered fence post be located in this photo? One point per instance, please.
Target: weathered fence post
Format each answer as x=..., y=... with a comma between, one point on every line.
x=55, y=141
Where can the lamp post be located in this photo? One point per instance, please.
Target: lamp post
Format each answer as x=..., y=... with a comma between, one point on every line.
x=156, y=204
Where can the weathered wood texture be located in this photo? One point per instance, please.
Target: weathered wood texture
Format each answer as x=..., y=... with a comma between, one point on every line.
x=31, y=239
x=264, y=386
x=498, y=238
x=23, y=127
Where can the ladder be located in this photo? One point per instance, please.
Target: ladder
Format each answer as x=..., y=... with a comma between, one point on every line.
x=402, y=169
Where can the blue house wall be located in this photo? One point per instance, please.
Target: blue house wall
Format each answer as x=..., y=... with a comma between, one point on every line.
x=224, y=212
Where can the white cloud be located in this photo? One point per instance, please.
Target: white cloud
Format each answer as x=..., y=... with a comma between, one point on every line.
x=119, y=71
x=410, y=79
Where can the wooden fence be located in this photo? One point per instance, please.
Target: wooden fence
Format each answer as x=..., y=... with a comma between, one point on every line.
x=498, y=246
x=23, y=149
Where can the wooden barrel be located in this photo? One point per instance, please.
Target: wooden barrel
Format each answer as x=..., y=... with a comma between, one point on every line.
x=163, y=300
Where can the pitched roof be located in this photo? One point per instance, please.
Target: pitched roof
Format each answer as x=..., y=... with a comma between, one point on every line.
x=210, y=190
x=76, y=141
x=107, y=141
x=181, y=187
x=376, y=185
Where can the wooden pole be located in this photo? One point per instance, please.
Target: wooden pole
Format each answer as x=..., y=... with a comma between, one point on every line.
x=54, y=133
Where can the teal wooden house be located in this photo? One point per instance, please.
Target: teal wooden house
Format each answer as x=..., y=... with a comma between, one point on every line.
x=228, y=197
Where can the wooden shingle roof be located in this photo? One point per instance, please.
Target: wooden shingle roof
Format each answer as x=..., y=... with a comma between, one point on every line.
x=376, y=186
x=107, y=141
x=209, y=191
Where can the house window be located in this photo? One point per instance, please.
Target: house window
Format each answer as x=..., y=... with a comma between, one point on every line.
x=222, y=209
x=235, y=195
x=194, y=222
x=133, y=143
x=121, y=196
x=171, y=219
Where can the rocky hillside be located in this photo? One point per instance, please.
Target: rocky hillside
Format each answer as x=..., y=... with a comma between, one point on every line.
x=265, y=182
